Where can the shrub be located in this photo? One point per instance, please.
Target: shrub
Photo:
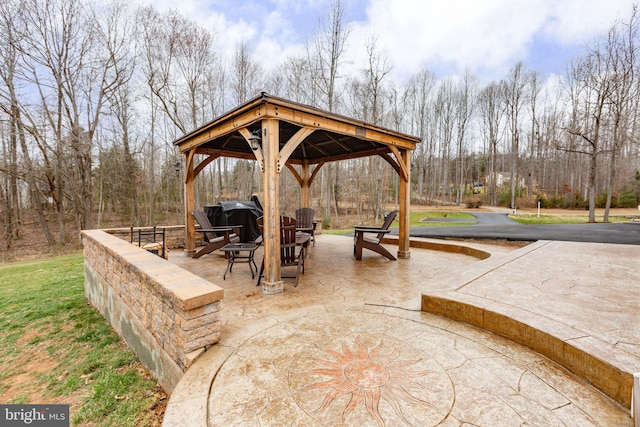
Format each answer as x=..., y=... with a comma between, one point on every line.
x=578, y=202
x=326, y=223
x=628, y=199
x=473, y=202
x=601, y=200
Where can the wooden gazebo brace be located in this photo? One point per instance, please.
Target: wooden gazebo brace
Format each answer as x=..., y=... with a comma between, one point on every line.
x=305, y=180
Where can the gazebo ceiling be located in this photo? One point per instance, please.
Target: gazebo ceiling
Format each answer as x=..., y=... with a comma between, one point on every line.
x=335, y=137
x=321, y=145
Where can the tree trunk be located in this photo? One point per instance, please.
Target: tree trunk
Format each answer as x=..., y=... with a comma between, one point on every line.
x=593, y=175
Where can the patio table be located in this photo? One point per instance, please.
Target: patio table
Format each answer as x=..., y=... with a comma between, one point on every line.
x=235, y=250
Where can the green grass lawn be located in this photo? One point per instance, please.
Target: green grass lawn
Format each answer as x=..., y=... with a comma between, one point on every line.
x=415, y=218
x=57, y=349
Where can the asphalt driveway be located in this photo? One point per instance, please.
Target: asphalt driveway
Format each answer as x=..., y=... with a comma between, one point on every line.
x=499, y=226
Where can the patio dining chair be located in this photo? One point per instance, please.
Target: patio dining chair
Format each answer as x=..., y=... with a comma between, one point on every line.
x=214, y=237
x=291, y=253
x=370, y=238
x=305, y=223
x=284, y=220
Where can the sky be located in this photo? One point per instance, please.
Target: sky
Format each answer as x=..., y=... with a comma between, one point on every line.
x=447, y=37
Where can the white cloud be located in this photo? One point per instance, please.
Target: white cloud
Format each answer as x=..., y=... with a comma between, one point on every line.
x=278, y=40
x=578, y=21
x=486, y=36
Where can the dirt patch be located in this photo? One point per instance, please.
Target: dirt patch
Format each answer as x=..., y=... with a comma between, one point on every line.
x=23, y=375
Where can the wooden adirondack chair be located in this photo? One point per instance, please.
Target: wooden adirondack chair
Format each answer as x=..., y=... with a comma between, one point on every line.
x=214, y=237
x=370, y=238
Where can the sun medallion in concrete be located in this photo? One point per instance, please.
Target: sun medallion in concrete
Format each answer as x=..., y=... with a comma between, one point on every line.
x=390, y=387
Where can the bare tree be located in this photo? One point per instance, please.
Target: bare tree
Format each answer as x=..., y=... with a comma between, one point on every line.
x=514, y=98
x=491, y=113
x=8, y=133
x=374, y=76
x=182, y=74
x=590, y=88
x=325, y=55
x=444, y=128
x=464, y=98
x=368, y=99
x=545, y=157
x=178, y=62
x=418, y=94
x=297, y=84
x=118, y=34
x=245, y=74
x=69, y=64
x=534, y=86
x=9, y=56
x=9, y=201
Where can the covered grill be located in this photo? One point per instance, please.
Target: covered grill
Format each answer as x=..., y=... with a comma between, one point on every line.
x=236, y=213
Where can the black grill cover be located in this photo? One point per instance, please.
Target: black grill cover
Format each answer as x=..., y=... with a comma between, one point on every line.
x=236, y=213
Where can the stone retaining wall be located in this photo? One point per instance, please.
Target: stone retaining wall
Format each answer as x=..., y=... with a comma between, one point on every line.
x=167, y=316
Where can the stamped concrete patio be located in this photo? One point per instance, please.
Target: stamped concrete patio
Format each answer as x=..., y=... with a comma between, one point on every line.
x=351, y=346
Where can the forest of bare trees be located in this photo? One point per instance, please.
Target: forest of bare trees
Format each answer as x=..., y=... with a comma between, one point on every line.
x=92, y=95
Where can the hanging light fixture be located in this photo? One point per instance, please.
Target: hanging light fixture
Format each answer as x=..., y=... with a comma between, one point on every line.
x=254, y=139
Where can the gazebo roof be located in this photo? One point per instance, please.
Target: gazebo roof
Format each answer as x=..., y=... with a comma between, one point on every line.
x=334, y=137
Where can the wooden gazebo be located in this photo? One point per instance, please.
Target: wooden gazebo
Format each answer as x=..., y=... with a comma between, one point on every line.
x=279, y=133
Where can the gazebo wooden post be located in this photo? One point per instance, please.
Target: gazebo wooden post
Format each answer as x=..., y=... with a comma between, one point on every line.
x=272, y=282
x=189, y=204
x=305, y=190
x=405, y=203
